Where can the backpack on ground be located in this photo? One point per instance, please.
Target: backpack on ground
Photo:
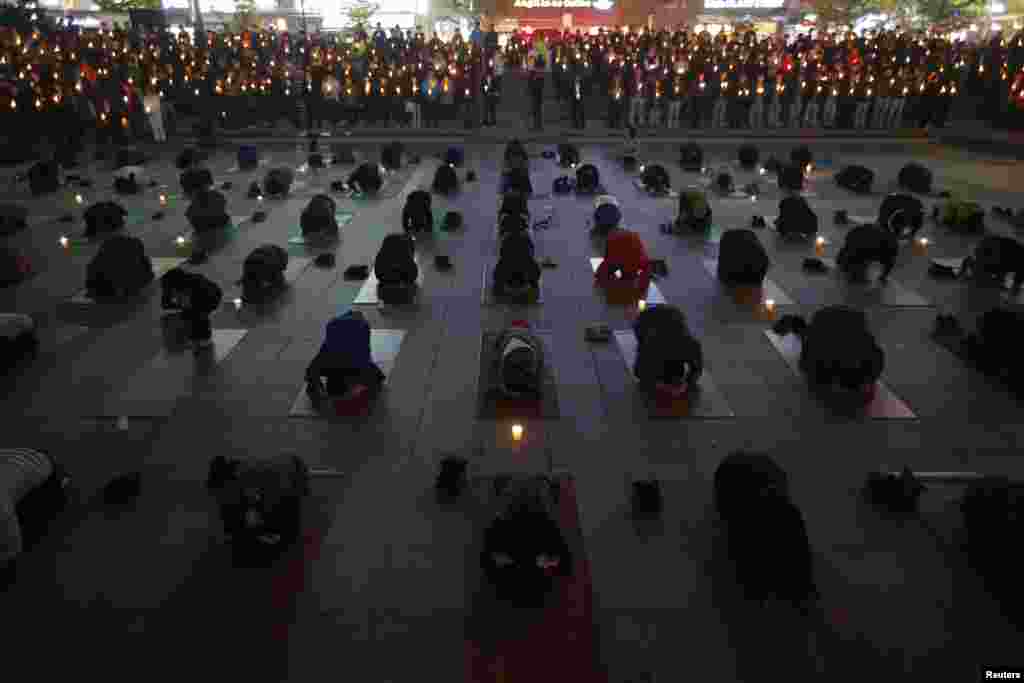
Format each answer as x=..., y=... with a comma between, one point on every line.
x=208, y=211
x=126, y=184
x=691, y=157
x=14, y=267
x=656, y=179
x=749, y=156
x=278, y=182
x=796, y=218
x=454, y=156
x=44, y=178
x=248, y=157
x=963, y=216
x=263, y=272
x=742, y=259
x=568, y=155
x=588, y=180
x=866, y=244
x=902, y=215
x=417, y=215
x=391, y=156
x=367, y=179
x=915, y=178
x=196, y=179
x=318, y=218
x=104, y=218
x=445, y=180
x=13, y=218
x=856, y=179
x=121, y=266
x=694, y=211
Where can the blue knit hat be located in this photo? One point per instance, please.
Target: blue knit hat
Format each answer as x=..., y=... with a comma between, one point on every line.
x=607, y=215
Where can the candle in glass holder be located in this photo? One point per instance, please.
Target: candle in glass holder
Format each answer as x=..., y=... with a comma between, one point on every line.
x=819, y=245
x=238, y=303
x=79, y=199
x=259, y=198
x=769, y=306
x=641, y=305
x=181, y=240
x=517, y=432
x=63, y=241
x=921, y=244
x=163, y=200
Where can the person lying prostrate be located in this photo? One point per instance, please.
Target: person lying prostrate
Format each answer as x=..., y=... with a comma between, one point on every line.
x=669, y=359
x=524, y=548
x=344, y=365
x=515, y=155
x=517, y=273
x=196, y=298
x=625, y=260
x=396, y=270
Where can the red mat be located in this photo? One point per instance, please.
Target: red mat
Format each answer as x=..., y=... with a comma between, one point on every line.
x=559, y=646
x=289, y=580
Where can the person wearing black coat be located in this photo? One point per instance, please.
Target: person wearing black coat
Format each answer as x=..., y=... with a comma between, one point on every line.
x=517, y=266
x=395, y=265
x=196, y=298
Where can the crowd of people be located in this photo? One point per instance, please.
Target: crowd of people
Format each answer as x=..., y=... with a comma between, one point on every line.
x=127, y=82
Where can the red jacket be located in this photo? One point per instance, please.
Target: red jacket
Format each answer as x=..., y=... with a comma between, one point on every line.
x=625, y=250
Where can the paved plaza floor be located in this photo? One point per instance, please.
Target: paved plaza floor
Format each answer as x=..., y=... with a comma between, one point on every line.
x=384, y=587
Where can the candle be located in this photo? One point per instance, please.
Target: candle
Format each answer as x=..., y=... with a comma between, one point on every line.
x=761, y=170
x=63, y=241
x=79, y=199
x=180, y=241
x=641, y=305
x=923, y=241
x=769, y=306
x=259, y=198
x=163, y=200
x=517, y=432
x=238, y=303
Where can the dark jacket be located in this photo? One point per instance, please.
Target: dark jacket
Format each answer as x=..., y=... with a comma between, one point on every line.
x=204, y=295
x=395, y=262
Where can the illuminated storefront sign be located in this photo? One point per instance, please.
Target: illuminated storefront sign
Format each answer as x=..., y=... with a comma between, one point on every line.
x=744, y=4
x=601, y=5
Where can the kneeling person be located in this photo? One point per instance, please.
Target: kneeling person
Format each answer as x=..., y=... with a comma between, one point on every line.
x=318, y=219
x=742, y=259
x=195, y=297
x=864, y=245
x=344, y=366
x=396, y=270
x=263, y=273
x=208, y=211
x=517, y=274
x=669, y=359
x=626, y=266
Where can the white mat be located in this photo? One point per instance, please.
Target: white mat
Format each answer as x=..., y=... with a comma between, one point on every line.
x=368, y=292
x=160, y=267
x=860, y=220
x=653, y=296
x=769, y=288
x=886, y=405
x=671, y=194
x=892, y=293
x=384, y=348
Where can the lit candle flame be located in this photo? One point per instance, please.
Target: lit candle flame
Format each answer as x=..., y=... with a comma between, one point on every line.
x=517, y=432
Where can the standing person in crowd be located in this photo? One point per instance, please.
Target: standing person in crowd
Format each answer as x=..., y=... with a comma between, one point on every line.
x=578, y=104
x=616, y=100
x=536, y=86
x=154, y=109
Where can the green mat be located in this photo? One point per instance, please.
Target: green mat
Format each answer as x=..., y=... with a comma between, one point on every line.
x=342, y=217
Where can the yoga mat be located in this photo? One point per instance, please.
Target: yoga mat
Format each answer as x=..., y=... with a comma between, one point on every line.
x=384, y=348
x=343, y=218
x=860, y=220
x=262, y=163
x=890, y=294
x=653, y=298
x=80, y=240
x=559, y=642
x=229, y=230
x=160, y=266
x=368, y=292
x=705, y=401
x=393, y=185
x=295, y=268
x=487, y=297
x=638, y=184
x=885, y=406
x=769, y=290
x=492, y=406
x=155, y=389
